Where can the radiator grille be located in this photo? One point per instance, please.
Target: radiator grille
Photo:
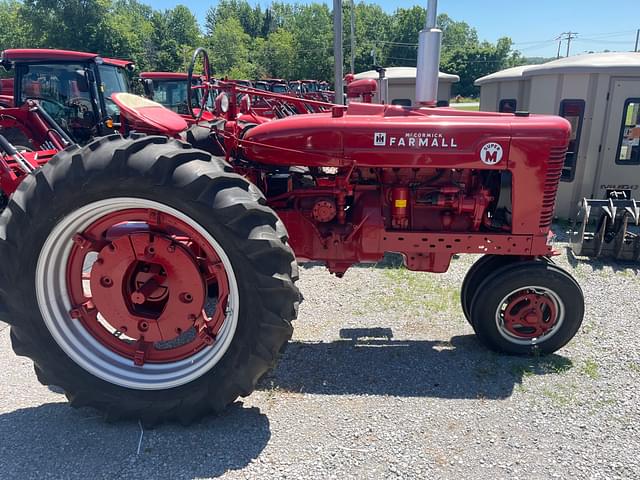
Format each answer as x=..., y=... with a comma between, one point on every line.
x=554, y=170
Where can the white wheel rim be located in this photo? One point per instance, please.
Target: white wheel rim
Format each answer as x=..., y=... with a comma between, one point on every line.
x=83, y=348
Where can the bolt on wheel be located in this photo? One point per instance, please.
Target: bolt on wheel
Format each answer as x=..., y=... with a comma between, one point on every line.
x=150, y=297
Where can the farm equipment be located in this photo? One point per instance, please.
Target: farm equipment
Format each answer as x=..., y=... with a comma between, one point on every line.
x=74, y=88
x=608, y=228
x=151, y=280
x=170, y=90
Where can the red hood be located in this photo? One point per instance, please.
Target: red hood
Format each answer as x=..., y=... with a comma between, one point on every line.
x=392, y=136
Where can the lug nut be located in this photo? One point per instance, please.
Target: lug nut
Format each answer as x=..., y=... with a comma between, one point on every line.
x=186, y=297
x=143, y=326
x=106, y=282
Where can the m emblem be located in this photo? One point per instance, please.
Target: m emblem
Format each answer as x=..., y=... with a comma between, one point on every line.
x=491, y=153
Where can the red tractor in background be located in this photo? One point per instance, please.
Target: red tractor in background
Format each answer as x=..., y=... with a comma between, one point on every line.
x=152, y=280
x=6, y=92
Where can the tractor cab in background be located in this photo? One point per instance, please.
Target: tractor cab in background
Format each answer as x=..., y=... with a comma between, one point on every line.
x=170, y=90
x=74, y=88
x=6, y=92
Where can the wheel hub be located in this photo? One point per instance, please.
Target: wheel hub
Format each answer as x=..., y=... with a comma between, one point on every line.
x=148, y=286
x=529, y=315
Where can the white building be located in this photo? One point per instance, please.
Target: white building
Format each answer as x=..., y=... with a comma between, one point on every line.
x=402, y=85
x=600, y=95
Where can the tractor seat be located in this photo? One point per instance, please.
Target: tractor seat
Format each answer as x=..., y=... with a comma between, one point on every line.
x=147, y=116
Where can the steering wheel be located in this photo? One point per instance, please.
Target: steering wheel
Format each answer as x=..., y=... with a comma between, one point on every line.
x=204, y=84
x=60, y=106
x=83, y=104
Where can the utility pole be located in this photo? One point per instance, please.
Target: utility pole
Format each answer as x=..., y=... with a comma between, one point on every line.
x=568, y=36
x=559, y=45
x=637, y=40
x=353, y=36
x=337, y=51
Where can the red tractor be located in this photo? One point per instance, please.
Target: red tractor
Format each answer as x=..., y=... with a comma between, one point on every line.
x=170, y=89
x=152, y=280
x=74, y=88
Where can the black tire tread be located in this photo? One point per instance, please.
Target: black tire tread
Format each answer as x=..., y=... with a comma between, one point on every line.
x=205, y=183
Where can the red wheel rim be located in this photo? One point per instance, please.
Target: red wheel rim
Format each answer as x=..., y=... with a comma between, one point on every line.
x=140, y=282
x=530, y=313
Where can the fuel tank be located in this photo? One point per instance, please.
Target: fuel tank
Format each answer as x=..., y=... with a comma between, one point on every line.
x=389, y=136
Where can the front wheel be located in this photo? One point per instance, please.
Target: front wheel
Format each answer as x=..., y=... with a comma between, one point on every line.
x=146, y=279
x=527, y=307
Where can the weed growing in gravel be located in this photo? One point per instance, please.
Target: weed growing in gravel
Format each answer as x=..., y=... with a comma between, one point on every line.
x=561, y=399
x=590, y=369
x=553, y=364
x=634, y=367
x=418, y=293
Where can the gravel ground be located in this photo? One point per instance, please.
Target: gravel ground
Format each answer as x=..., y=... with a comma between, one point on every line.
x=383, y=379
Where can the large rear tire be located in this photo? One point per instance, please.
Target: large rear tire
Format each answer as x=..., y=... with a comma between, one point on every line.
x=202, y=274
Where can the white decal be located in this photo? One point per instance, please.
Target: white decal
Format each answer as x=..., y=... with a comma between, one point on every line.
x=380, y=139
x=414, y=140
x=491, y=153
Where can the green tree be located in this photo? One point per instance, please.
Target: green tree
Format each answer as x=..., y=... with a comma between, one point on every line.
x=276, y=54
x=68, y=23
x=229, y=48
x=312, y=29
x=13, y=31
x=250, y=18
x=182, y=26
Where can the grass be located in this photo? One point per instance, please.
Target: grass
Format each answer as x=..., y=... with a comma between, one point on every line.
x=552, y=364
x=416, y=293
x=559, y=398
x=590, y=369
x=469, y=108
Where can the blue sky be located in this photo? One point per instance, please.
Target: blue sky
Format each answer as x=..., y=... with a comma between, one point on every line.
x=532, y=25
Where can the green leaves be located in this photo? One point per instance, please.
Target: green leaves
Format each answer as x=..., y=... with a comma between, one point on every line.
x=285, y=40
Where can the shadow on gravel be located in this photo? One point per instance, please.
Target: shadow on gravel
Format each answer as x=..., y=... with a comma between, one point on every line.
x=56, y=441
x=601, y=262
x=370, y=362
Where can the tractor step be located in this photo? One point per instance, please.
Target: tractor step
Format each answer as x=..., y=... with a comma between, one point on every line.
x=608, y=228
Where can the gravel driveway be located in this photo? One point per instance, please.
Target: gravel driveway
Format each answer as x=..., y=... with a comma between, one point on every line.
x=383, y=379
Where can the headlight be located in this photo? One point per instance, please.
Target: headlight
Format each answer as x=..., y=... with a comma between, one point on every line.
x=245, y=104
x=222, y=103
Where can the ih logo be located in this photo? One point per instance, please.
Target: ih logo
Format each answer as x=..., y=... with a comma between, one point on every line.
x=379, y=139
x=491, y=153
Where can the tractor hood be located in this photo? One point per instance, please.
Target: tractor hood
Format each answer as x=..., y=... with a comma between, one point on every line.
x=389, y=136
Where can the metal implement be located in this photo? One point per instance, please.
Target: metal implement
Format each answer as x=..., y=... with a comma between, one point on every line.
x=608, y=228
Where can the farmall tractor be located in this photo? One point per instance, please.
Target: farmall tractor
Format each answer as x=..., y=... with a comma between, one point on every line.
x=152, y=280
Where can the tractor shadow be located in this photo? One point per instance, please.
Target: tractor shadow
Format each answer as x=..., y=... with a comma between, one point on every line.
x=55, y=441
x=370, y=362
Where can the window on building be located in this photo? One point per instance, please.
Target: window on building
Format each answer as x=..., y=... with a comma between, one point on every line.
x=404, y=102
x=629, y=143
x=508, y=105
x=573, y=111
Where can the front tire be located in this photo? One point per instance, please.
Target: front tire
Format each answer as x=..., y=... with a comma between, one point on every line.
x=527, y=307
x=202, y=274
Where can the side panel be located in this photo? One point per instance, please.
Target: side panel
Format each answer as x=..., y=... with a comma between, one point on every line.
x=620, y=158
x=489, y=97
x=575, y=87
x=544, y=94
